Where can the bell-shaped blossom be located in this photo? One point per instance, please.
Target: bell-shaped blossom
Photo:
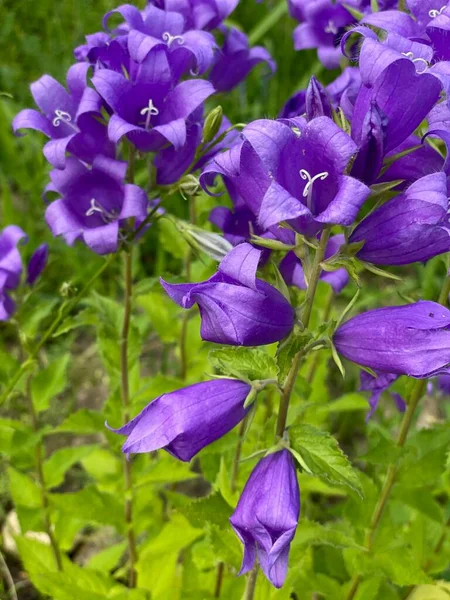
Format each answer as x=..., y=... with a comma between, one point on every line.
x=292, y=270
x=37, y=264
x=236, y=59
x=412, y=340
x=10, y=268
x=267, y=514
x=186, y=420
x=236, y=307
x=376, y=386
x=68, y=118
x=94, y=203
x=208, y=14
x=149, y=110
x=409, y=228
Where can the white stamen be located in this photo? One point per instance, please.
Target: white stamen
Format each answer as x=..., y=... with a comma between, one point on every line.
x=167, y=37
x=417, y=60
x=61, y=115
x=151, y=111
x=433, y=13
x=106, y=216
x=331, y=27
x=307, y=192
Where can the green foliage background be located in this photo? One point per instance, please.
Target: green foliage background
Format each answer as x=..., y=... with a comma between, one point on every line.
x=181, y=511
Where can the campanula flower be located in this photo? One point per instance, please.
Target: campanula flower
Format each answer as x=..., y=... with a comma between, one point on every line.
x=267, y=514
x=376, y=386
x=208, y=14
x=37, y=263
x=94, y=203
x=412, y=340
x=68, y=118
x=10, y=268
x=186, y=420
x=412, y=227
x=236, y=307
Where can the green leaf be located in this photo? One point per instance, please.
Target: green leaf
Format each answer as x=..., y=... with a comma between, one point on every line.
x=212, y=509
x=107, y=559
x=24, y=490
x=166, y=470
x=289, y=348
x=83, y=422
x=163, y=314
x=322, y=454
x=60, y=461
x=49, y=382
x=310, y=533
x=380, y=272
x=438, y=591
x=225, y=545
x=346, y=403
x=248, y=364
x=280, y=283
x=74, y=582
x=37, y=558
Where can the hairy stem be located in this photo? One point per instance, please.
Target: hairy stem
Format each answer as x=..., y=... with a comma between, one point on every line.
x=251, y=583
x=306, y=317
x=315, y=357
x=127, y=469
x=39, y=458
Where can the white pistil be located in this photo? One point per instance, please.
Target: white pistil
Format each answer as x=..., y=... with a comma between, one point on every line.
x=61, y=115
x=433, y=13
x=167, y=37
x=307, y=192
x=151, y=111
x=331, y=27
x=417, y=60
x=107, y=217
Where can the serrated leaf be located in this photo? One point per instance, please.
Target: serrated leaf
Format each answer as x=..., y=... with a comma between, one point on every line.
x=322, y=454
x=310, y=533
x=24, y=489
x=60, y=461
x=212, y=509
x=83, y=422
x=74, y=582
x=49, y=382
x=288, y=349
x=225, y=544
x=249, y=364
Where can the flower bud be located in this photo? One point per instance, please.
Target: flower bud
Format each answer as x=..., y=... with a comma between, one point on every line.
x=212, y=125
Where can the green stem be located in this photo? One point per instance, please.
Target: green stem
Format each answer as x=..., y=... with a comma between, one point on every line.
x=270, y=21
x=186, y=315
x=306, y=317
x=12, y=592
x=251, y=583
x=63, y=312
x=124, y=369
x=315, y=357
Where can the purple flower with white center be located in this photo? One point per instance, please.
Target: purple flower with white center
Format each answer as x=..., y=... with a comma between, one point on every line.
x=207, y=14
x=236, y=307
x=266, y=516
x=412, y=340
x=10, y=268
x=376, y=386
x=150, y=111
x=68, y=118
x=292, y=270
x=37, y=263
x=409, y=228
x=94, y=203
x=186, y=420
x=236, y=59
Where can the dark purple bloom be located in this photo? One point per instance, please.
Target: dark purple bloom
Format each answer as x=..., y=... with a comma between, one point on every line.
x=149, y=111
x=236, y=59
x=293, y=274
x=237, y=308
x=266, y=516
x=37, y=263
x=68, y=118
x=410, y=228
x=186, y=420
x=412, y=340
x=10, y=268
x=207, y=14
x=94, y=203
x=376, y=386
x=444, y=384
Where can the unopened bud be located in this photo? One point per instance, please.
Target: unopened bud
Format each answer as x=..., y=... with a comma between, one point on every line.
x=212, y=125
x=189, y=185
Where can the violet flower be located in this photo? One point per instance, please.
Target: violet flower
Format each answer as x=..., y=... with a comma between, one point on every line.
x=412, y=340
x=186, y=420
x=236, y=59
x=236, y=308
x=292, y=270
x=376, y=386
x=68, y=118
x=37, y=263
x=267, y=514
x=94, y=203
x=207, y=14
x=10, y=268
x=409, y=228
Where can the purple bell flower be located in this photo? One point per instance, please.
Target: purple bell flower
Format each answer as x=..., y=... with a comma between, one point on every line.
x=267, y=514
x=236, y=308
x=410, y=228
x=207, y=14
x=444, y=384
x=186, y=420
x=412, y=340
x=68, y=118
x=10, y=268
x=236, y=59
x=376, y=386
x=293, y=274
x=37, y=263
x=94, y=203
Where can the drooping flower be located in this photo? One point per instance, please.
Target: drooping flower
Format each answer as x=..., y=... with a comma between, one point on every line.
x=409, y=228
x=37, y=263
x=94, y=203
x=266, y=516
x=10, y=268
x=412, y=340
x=236, y=307
x=376, y=386
x=186, y=420
x=68, y=118
x=292, y=270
